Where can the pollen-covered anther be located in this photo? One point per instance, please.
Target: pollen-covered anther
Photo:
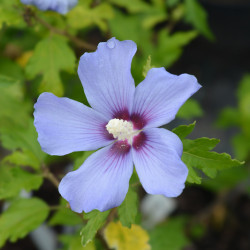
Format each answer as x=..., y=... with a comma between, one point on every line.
x=121, y=129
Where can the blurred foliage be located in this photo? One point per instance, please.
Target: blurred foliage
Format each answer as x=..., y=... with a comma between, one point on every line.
x=39, y=52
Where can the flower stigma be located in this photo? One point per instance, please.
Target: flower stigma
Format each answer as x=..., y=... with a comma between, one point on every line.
x=121, y=129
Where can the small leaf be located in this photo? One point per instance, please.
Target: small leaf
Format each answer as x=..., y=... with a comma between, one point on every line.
x=170, y=46
x=65, y=216
x=92, y=16
x=229, y=117
x=50, y=57
x=196, y=153
x=147, y=66
x=123, y=238
x=190, y=109
x=96, y=220
x=73, y=242
x=169, y=235
x=23, y=216
x=13, y=180
x=197, y=16
x=10, y=14
x=128, y=210
x=184, y=130
x=133, y=6
x=23, y=158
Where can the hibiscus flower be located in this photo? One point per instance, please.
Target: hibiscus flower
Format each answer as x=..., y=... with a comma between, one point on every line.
x=123, y=122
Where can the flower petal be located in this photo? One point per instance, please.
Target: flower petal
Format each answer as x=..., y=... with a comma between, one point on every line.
x=106, y=77
x=101, y=182
x=160, y=95
x=65, y=126
x=157, y=158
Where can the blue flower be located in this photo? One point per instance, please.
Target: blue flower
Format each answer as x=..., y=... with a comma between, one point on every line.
x=61, y=6
x=122, y=122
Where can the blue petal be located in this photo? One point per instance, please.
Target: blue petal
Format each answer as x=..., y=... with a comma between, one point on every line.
x=65, y=126
x=157, y=158
x=106, y=77
x=159, y=97
x=61, y=6
x=101, y=182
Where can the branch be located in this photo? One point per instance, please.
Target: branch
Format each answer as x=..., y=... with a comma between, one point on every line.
x=48, y=175
x=78, y=42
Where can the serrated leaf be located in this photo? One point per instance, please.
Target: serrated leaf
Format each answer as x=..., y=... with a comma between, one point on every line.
x=196, y=153
x=184, y=130
x=50, y=57
x=92, y=16
x=123, y=238
x=189, y=110
x=169, y=235
x=13, y=180
x=65, y=216
x=96, y=220
x=197, y=16
x=23, y=216
x=128, y=210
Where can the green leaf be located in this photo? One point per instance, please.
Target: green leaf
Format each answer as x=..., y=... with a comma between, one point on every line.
x=14, y=179
x=244, y=87
x=190, y=109
x=170, y=47
x=241, y=145
x=15, y=109
x=136, y=31
x=184, y=130
x=15, y=137
x=51, y=56
x=170, y=235
x=23, y=216
x=147, y=67
x=133, y=6
x=23, y=158
x=65, y=216
x=172, y=3
x=227, y=179
x=128, y=210
x=96, y=220
x=197, y=154
x=11, y=69
x=73, y=242
x=80, y=160
x=229, y=117
x=92, y=16
x=10, y=13
x=197, y=16
x=16, y=128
